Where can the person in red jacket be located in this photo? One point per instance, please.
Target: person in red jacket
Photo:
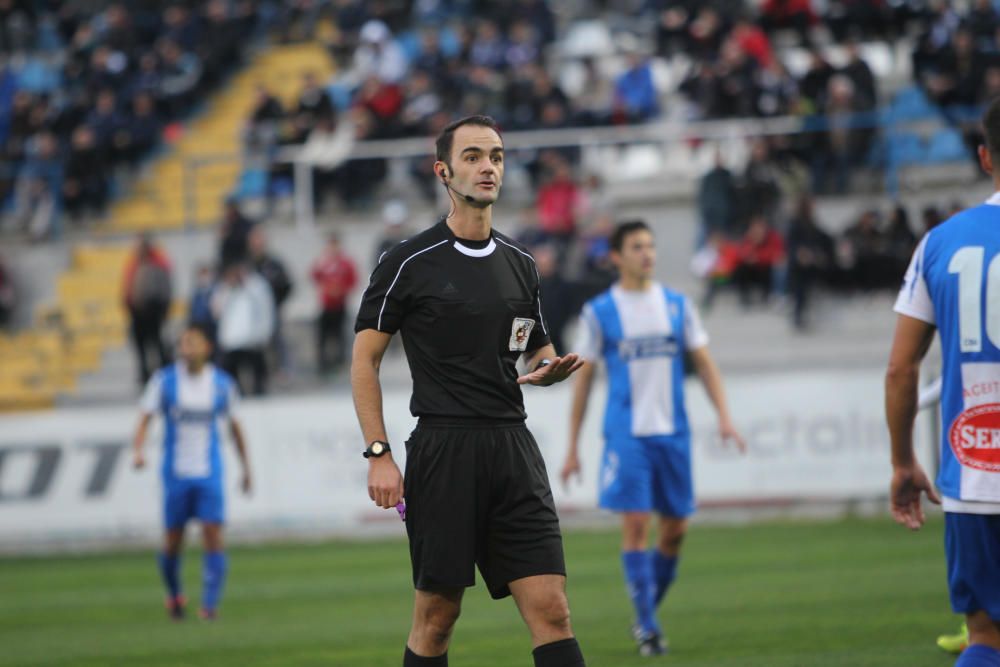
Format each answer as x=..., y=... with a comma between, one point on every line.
x=146, y=292
x=335, y=276
x=558, y=201
x=761, y=250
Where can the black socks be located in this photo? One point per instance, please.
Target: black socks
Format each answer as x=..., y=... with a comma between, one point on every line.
x=563, y=653
x=411, y=659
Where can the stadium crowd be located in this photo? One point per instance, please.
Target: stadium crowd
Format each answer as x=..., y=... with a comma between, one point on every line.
x=87, y=91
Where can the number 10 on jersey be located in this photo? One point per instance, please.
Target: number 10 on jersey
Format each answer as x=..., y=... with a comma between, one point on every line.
x=968, y=263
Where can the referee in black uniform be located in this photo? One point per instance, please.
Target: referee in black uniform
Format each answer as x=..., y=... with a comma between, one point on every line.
x=466, y=300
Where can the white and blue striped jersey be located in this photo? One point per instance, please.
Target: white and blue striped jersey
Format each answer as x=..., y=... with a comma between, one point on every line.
x=192, y=406
x=641, y=337
x=953, y=282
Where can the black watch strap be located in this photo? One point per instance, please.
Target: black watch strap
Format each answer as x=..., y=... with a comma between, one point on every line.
x=376, y=448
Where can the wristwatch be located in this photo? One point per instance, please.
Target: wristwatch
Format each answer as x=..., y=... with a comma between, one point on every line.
x=376, y=449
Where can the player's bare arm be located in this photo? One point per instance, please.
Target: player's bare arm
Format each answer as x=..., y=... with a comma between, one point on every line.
x=578, y=410
x=557, y=370
x=711, y=378
x=385, y=483
x=239, y=441
x=909, y=346
x=139, y=441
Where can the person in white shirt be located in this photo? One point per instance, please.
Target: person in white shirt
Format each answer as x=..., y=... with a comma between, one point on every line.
x=243, y=305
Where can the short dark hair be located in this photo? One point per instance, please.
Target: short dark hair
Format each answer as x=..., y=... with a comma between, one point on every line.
x=991, y=127
x=445, y=140
x=202, y=328
x=625, y=228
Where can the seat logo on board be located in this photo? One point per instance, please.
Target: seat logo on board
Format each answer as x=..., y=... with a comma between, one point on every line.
x=975, y=437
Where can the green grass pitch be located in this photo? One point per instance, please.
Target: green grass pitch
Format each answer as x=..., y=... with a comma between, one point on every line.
x=852, y=592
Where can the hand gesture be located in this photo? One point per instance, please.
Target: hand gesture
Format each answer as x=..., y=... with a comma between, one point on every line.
x=385, y=484
x=558, y=370
x=570, y=467
x=729, y=433
x=908, y=482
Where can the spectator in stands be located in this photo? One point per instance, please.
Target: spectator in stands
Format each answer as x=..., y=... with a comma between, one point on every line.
x=273, y=270
x=796, y=15
x=672, y=27
x=776, y=90
x=7, y=295
x=523, y=47
x=815, y=82
x=593, y=105
x=141, y=132
x=394, y=230
x=489, y=49
x=234, y=234
x=356, y=180
x=636, y=97
x=378, y=55
x=85, y=186
x=38, y=196
x=900, y=239
x=384, y=101
x=263, y=127
x=761, y=251
x=715, y=263
x=181, y=72
x=732, y=83
x=558, y=201
x=335, y=277
x=421, y=102
x=200, y=303
x=559, y=300
x=860, y=74
x=857, y=18
x=105, y=122
x=716, y=199
x=431, y=59
x=244, y=308
x=760, y=187
x=147, y=294
x=845, y=143
x=314, y=103
x=810, y=258
x=864, y=253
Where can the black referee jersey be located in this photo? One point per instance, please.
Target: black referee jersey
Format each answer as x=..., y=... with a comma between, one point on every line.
x=466, y=311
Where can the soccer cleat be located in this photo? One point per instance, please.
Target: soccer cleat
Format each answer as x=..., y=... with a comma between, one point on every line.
x=954, y=644
x=651, y=644
x=175, y=607
x=208, y=614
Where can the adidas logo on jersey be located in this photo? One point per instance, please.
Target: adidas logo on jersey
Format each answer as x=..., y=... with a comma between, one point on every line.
x=449, y=290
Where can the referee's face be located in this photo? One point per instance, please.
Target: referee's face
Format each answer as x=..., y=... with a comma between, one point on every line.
x=477, y=164
x=637, y=258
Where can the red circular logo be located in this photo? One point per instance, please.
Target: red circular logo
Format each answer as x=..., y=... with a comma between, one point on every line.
x=975, y=437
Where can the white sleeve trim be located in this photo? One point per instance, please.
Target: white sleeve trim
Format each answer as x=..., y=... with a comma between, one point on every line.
x=538, y=277
x=385, y=300
x=695, y=335
x=914, y=298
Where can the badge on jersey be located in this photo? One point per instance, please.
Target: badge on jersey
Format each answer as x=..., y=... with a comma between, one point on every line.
x=975, y=437
x=520, y=331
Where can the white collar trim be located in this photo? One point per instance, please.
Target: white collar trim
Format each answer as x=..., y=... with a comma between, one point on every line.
x=476, y=252
x=994, y=200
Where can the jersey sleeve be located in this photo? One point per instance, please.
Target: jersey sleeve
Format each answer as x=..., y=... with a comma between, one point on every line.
x=152, y=395
x=589, y=339
x=539, y=335
x=384, y=301
x=695, y=335
x=914, y=299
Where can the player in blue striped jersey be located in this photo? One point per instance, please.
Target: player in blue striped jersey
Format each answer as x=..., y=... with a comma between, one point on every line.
x=192, y=396
x=641, y=330
x=953, y=286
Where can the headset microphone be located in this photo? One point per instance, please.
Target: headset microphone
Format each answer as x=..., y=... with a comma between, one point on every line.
x=469, y=198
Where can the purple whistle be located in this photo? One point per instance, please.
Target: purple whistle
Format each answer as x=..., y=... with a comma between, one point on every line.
x=401, y=508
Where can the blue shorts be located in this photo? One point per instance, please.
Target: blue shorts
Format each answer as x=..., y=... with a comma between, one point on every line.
x=647, y=474
x=192, y=499
x=972, y=544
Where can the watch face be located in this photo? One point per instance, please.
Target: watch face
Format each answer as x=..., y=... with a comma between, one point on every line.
x=377, y=448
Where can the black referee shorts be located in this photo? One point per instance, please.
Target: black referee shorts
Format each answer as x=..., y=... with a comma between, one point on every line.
x=478, y=494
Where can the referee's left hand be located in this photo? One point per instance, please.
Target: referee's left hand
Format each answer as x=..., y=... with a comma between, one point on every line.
x=557, y=371
x=385, y=483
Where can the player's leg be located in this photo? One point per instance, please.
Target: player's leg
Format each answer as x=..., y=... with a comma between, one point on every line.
x=177, y=509
x=667, y=553
x=972, y=542
x=434, y=616
x=541, y=599
x=210, y=511
x=673, y=497
x=984, y=641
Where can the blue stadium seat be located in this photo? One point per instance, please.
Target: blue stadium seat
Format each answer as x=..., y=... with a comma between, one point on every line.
x=905, y=148
x=947, y=146
x=911, y=103
x=37, y=76
x=253, y=183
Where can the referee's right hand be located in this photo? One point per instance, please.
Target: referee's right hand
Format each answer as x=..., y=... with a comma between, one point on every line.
x=385, y=483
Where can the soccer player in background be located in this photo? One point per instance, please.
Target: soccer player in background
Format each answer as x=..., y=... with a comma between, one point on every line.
x=641, y=330
x=466, y=300
x=953, y=286
x=193, y=396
